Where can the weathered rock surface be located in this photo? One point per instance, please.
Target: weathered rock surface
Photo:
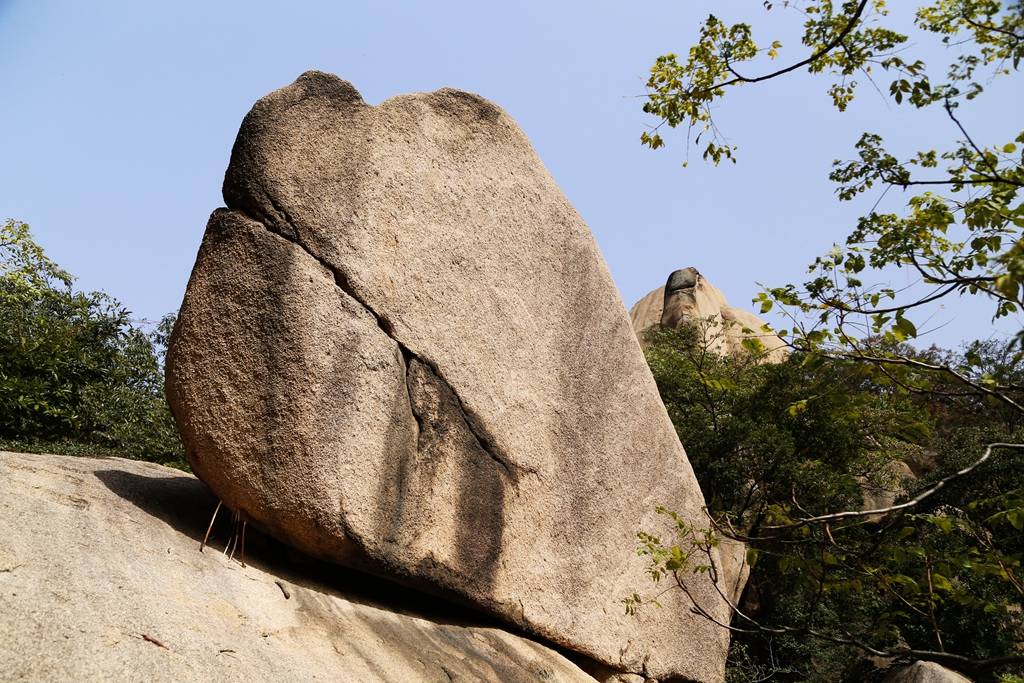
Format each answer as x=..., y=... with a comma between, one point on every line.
x=101, y=579
x=687, y=295
x=401, y=350
x=925, y=672
x=735, y=569
x=883, y=490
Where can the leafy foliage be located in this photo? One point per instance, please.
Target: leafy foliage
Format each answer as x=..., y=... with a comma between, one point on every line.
x=76, y=374
x=757, y=432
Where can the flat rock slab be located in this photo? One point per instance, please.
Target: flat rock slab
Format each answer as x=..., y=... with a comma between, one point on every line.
x=101, y=578
x=401, y=350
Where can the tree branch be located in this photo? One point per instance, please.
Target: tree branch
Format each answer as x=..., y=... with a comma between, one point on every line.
x=988, y=27
x=981, y=389
x=825, y=49
x=956, y=661
x=920, y=302
x=818, y=54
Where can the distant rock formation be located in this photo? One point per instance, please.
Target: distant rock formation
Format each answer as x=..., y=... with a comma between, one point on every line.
x=735, y=568
x=894, y=478
x=687, y=295
x=925, y=672
x=401, y=350
x=101, y=579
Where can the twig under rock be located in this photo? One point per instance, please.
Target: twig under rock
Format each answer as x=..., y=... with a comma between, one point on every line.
x=210, y=527
x=150, y=639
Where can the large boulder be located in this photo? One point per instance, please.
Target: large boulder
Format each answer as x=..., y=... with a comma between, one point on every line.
x=101, y=579
x=401, y=350
x=689, y=297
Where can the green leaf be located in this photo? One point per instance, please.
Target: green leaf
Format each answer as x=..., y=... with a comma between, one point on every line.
x=941, y=583
x=1016, y=518
x=753, y=345
x=907, y=328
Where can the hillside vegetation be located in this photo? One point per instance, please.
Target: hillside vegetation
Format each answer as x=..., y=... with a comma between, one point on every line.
x=78, y=375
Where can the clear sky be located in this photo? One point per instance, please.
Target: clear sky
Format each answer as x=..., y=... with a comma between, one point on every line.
x=118, y=118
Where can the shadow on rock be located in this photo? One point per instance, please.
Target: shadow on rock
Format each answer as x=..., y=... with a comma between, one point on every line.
x=186, y=504
x=182, y=502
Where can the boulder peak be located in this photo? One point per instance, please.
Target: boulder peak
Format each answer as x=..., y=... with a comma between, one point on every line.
x=689, y=296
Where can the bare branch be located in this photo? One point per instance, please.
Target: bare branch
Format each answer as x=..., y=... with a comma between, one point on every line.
x=995, y=29
x=963, y=379
x=902, y=507
x=956, y=661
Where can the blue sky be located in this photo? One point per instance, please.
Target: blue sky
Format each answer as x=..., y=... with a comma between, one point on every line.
x=118, y=119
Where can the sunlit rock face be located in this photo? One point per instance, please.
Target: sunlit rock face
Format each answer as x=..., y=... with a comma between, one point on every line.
x=401, y=350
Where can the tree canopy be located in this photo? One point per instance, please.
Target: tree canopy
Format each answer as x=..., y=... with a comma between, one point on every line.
x=787, y=455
